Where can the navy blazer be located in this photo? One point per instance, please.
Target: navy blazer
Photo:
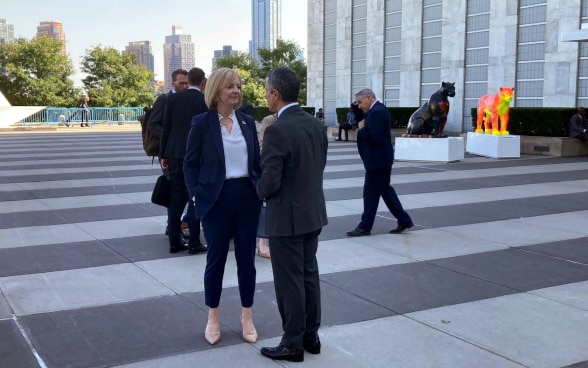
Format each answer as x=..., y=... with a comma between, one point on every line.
x=374, y=141
x=204, y=163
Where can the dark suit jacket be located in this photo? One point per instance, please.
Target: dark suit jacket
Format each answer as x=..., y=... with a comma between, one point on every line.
x=204, y=164
x=155, y=123
x=180, y=109
x=374, y=141
x=293, y=160
x=577, y=125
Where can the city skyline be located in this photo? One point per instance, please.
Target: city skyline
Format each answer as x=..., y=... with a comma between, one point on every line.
x=115, y=24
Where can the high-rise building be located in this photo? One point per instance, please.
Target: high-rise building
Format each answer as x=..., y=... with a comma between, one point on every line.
x=226, y=51
x=143, y=52
x=266, y=25
x=54, y=30
x=6, y=32
x=178, y=53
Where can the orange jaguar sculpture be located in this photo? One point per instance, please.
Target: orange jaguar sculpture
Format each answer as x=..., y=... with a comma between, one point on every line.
x=491, y=109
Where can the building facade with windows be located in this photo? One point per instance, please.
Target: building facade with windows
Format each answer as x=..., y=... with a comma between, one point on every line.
x=53, y=30
x=225, y=52
x=266, y=25
x=404, y=49
x=6, y=32
x=143, y=51
x=178, y=53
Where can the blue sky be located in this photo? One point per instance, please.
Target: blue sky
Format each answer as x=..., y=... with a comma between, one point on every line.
x=115, y=23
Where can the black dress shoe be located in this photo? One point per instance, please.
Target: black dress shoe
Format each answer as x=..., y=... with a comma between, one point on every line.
x=178, y=248
x=337, y=140
x=358, y=232
x=401, y=228
x=312, y=346
x=197, y=248
x=281, y=352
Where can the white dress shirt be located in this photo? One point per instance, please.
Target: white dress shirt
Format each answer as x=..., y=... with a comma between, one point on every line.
x=235, y=149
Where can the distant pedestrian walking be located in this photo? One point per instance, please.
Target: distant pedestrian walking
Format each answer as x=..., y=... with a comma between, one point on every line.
x=85, y=111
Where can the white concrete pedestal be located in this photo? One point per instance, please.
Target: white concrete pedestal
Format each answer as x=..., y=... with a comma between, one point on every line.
x=429, y=149
x=494, y=146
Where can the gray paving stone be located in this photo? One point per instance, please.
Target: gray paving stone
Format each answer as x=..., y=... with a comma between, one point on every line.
x=571, y=250
x=120, y=333
x=5, y=311
x=56, y=257
x=517, y=269
x=411, y=287
x=531, y=330
x=14, y=351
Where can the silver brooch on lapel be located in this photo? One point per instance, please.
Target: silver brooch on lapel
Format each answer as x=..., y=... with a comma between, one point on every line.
x=243, y=122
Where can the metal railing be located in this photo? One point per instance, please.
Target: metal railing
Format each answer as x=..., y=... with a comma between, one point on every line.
x=73, y=115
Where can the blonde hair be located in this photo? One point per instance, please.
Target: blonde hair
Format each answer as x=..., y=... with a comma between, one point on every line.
x=218, y=80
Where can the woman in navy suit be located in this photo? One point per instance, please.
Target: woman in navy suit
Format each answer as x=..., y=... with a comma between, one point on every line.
x=221, y=170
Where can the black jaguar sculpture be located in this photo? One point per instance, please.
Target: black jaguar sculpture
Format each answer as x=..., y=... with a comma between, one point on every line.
x=429, y=120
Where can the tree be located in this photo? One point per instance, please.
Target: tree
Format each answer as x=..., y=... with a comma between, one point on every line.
x=35, y=72
x=286, y=53
x=114, y=79
x=253, y=91
x=239, y=60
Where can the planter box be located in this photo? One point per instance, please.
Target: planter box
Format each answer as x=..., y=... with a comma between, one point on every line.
x=493, y=146
x=553, y=146
x=429, y=149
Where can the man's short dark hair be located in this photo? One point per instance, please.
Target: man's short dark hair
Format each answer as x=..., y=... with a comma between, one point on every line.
x=285, y=81
x=196, y=76
x=178, y=71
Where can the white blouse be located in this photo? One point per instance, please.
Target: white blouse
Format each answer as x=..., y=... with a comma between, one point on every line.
x=235, y=149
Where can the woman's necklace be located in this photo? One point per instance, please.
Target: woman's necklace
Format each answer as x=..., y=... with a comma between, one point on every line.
x=227, y=123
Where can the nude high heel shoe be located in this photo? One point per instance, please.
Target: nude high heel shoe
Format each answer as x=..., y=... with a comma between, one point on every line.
x=212, y=332
x=249, y=332
x=262, y=243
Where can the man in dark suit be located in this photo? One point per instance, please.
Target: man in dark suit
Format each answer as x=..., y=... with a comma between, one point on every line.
x=155, y=122
x=579, y=125
x=374, y=144
x=177, y=120
x=179, y=84
x=293, y=159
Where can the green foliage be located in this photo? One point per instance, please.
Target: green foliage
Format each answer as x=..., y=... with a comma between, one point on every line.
x=114, y=79
x=239, y=60
x=284, y=54
x=261, y=112
x=252, y=91
x=537, y=121
x=253, y=75
x=35, y=72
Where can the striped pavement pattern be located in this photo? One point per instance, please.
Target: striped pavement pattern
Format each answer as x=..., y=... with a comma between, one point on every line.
x=494, y=273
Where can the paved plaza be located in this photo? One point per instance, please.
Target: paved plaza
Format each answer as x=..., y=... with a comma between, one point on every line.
x=493, y=275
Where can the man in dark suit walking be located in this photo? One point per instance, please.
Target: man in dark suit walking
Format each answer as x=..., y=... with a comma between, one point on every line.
x=293, y=159
x=177, y=120
x=374, y=144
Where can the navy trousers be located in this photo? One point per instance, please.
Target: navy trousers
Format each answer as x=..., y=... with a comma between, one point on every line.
x=235, y=214
x=376, y=185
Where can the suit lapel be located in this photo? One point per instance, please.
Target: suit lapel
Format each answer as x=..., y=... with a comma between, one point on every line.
x=214, y=128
